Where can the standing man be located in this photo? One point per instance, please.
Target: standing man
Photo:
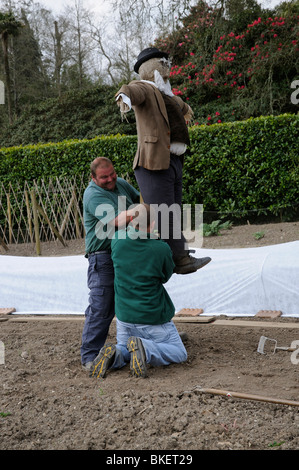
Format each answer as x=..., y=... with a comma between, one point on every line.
x=162, y=141
x=106, y=203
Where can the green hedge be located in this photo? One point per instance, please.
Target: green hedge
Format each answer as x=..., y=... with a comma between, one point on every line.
x=245, y=166
x=70, y=157
x=233, y=168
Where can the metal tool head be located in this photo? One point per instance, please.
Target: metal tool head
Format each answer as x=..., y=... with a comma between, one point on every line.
x=262, y=345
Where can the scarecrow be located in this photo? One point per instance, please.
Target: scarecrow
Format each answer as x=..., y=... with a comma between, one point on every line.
x=163, y=138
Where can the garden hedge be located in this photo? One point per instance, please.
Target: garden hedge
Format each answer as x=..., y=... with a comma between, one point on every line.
x=232, y=168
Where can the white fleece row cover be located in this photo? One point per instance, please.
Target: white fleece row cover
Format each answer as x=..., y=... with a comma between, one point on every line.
x=236, y=282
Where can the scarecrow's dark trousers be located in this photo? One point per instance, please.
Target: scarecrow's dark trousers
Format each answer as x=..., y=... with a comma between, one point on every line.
x=164, y=189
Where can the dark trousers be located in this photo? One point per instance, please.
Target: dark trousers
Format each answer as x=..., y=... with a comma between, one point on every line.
x=165, y=187
x=100, y=311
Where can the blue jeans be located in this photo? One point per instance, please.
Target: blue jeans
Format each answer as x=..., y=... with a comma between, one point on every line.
x=100, y=311
x=162, y=343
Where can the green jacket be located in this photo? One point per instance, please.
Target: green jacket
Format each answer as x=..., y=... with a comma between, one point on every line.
x=141, y=266
x=100, y=206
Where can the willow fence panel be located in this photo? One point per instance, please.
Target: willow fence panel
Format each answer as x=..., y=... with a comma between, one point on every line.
x=46, y=210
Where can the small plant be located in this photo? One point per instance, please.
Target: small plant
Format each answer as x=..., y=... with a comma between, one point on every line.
x=215, y=227
x=3, y=414
x=276, y=444
x=259, y=235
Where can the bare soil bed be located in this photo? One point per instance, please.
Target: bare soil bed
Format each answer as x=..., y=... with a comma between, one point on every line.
x=239, y=236
x=48, y=402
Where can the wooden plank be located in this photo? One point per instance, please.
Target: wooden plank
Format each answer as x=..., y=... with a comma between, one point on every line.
x=200, y=320
x=7, y=310
x=23, y=318
x=194, y=319
x=255, y=324
x=269, y=313
x=189, y=312
x=40, y=317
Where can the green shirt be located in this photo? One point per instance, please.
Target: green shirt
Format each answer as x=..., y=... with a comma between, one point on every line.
x=100, y=206
x=141, y=267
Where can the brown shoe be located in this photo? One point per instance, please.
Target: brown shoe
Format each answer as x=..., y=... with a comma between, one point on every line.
x=188, y=264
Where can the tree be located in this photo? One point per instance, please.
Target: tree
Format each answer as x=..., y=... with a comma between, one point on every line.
x=119, y=45
x=28, y=80
x=239, y=13
x=9, y=26
x=131, y=27
x=80, y=46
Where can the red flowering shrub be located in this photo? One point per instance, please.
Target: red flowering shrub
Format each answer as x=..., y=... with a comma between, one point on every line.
x=231, y=75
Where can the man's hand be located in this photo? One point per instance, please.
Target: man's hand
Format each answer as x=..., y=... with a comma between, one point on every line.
x=123, y=218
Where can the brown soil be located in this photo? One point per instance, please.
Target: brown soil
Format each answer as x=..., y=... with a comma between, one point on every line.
x=48, y=401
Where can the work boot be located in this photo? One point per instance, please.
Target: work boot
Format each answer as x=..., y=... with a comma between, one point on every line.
x=188, y=264
x=103, y=361
x=138, y=358
x=184, y=336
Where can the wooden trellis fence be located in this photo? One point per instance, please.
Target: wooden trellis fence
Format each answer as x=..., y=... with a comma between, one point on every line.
x=42, y=211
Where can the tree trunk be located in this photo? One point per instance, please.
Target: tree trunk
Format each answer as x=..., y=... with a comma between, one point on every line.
x=7, y=74
x=58, y=58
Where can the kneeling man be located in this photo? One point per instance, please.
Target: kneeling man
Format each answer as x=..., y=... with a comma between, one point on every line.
x=146, y=333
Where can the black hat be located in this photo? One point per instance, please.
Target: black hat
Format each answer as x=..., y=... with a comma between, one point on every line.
x=147, y=54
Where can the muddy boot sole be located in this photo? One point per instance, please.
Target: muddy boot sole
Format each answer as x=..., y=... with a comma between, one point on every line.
x=138, y=359
x=103, y=361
